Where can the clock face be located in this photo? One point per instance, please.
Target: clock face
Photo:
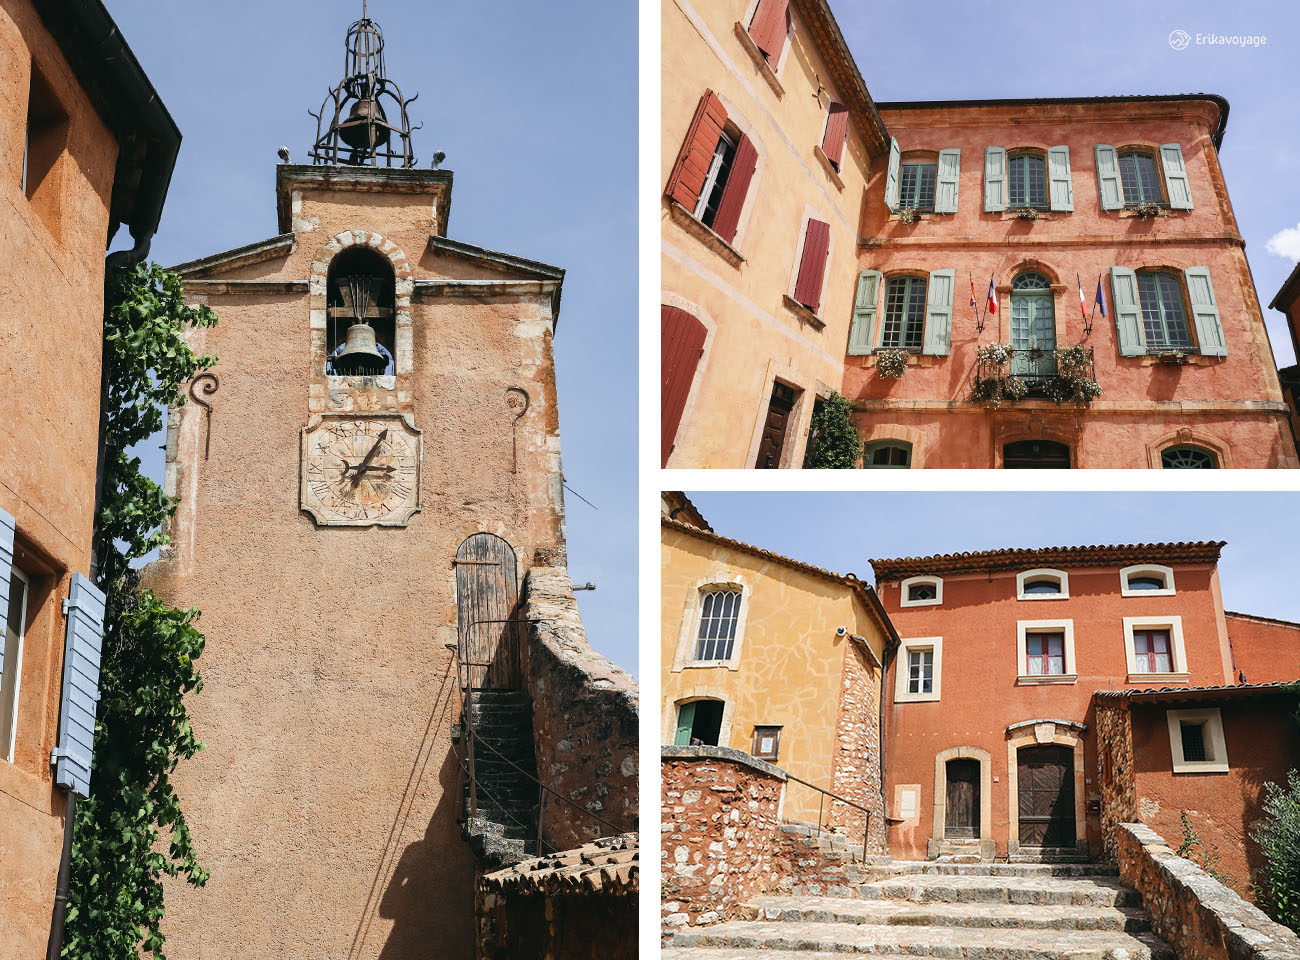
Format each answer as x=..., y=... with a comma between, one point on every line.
x=360, y=471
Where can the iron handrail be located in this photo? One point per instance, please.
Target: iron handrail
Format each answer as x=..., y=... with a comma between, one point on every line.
x=835, y=797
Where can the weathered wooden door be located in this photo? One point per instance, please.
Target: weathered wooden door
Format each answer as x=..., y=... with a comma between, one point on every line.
x=962, y=818
x=486, y=595
x=774, y=429
x=682, y=346
x=1046, y=802
x=1035, y=455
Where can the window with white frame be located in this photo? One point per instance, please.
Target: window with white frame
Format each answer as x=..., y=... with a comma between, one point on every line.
x=1196, y=741
x=921, y=592
x=920, y=666
x=1146, y=580
x=12, y=650
x=1043, y=585
x=719, y=616
x=1045, y=651
x=1155, y=650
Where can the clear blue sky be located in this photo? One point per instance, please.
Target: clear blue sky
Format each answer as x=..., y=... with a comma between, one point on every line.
x=842, y=531
x=535, y=107
x=949, y=50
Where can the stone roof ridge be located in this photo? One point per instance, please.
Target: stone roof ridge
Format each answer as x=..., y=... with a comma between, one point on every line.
x=1257, y=616
x=606, y=865
x=1174, y=692
x=851, y=579
x=1087, y=555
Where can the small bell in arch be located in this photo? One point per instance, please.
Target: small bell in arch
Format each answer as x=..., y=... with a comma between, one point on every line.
x=360, y=356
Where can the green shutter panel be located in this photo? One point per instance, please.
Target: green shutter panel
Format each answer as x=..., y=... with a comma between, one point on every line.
x=862, y=332
x=685, y=720
x=1205, y=310
x=945, y=193
x=891, y=176
x=1177, y=187
x=938, y=313
x=76, y=746
x=6, y=573
x=995, y=179
x=1108, y=185
x=1128, y=317
x=1060, y=183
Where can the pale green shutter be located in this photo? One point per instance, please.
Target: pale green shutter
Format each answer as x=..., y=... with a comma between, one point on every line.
x=862, y=332
x=1177, y=187
x=1205, y=310
x=945, y=194
x=995, y=179
x=685, y=720
x=74, y=754
x=6, y=573
x=1108, y=185
x=938, y=313
x=891, y=176
x=1128, y=316
x=1060, y=183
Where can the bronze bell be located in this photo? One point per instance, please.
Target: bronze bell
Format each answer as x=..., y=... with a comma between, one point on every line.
x=358, y=131
x=360, y=356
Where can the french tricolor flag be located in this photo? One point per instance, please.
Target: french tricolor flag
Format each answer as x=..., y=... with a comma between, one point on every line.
x=993, y=296
x=1100, y=299
x=1083, y=302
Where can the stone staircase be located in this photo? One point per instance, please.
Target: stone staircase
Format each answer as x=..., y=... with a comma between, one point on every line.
x=504, y=832
x=989, y=911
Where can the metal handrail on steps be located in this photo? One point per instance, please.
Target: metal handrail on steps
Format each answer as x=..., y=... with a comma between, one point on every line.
x=821, y=801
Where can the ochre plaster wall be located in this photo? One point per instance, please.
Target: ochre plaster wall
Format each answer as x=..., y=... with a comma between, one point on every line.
x=754, y=338
x=1232, y=405
x=789, y=671
x=980, y=695
x=325, y=801
x=1266, y=651
x=51, y=323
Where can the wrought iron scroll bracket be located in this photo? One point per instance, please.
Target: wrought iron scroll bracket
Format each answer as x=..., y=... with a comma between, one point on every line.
x=210, y=386
x=517, y=399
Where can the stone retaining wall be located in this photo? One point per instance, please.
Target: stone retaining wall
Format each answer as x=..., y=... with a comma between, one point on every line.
x=1191, y=911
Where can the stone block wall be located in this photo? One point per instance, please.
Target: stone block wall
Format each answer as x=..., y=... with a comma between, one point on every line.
x=1191, y=911
x=585, y=719
x=856, y=766
x=1115, y=779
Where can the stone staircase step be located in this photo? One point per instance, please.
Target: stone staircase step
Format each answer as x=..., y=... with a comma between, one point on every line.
x=1096, y=891
x=946, y=942
x=992, y=869
x=899, y=913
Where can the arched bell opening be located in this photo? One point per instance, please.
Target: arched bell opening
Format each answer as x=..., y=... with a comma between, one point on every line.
x=361, y=323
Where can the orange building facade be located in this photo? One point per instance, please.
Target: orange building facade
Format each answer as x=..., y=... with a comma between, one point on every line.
x=85, y=145
x=990, y=749
x=1287, y=302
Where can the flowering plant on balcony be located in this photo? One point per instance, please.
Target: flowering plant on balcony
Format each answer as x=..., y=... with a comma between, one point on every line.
x=891, y=364
x=1075, y=381
x=908, y=215
x=993, y=383
x=1148, y=211
x=1028, y=213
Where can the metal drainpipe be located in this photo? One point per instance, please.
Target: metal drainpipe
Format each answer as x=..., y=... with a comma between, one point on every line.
x=55, y=946
x=888, y=659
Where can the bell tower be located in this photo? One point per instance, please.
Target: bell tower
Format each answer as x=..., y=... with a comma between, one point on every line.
x=382, y=427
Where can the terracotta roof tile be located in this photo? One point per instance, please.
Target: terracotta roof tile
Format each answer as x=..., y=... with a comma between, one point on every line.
x=1200, y=551
x=608, y=865
x=1227, y=691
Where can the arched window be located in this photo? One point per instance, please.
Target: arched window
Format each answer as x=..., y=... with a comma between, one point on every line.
x=1033, y=326
x=1139, y=177
x=896, y=454
x=360, y=293
x=1187, y=457
x=904, y=313
x=719, y=617
x=1035, y=455
x=921, y=591
x=1043, y=585
x=1146, y=580
x=1027, y=180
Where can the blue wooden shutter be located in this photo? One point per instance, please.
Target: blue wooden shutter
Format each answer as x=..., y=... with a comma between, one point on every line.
x=995, y=179
x=862, y=332
x=1060, y=183
x=1205, y=310
x=945, y=194
x=938, y=313
x=685, y=720
x=71, y=758
x=1109, y=190
x=6, y=573
x=1128, y=316
x=891, y=176
x=1177, y=187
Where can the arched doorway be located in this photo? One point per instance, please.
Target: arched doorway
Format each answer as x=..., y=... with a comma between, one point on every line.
x=486, y=601
x=1033, y=327
x=1035, y=455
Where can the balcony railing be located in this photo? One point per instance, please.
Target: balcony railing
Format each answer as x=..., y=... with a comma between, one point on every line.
x=1004, y=374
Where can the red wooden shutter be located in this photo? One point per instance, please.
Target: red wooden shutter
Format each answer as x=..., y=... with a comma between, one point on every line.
x=816, y=244
x=687, y=179
x=682, y=345
x=837, y=126
x=733, y=194
x=768, y=29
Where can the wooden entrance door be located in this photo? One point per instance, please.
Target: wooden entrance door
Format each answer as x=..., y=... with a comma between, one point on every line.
x=1046, y=802
x=1035, y=455
x=486, y=594
x=682, y=346
x=774, y=429
x=962, y=817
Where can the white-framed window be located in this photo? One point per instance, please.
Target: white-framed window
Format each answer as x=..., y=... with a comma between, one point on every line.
x=715, y=181
x=919, y=670
x=15, y=621
x=1146, y=580
x=1154, y=647
x=1196, y=741
x=921, y=592
x=1043, y=584
x=1045, y=651
x=720, y=617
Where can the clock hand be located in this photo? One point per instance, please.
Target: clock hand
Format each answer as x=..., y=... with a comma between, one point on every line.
x=361, y=467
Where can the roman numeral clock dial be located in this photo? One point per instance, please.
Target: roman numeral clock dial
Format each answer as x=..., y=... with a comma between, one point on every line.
x=360, y=471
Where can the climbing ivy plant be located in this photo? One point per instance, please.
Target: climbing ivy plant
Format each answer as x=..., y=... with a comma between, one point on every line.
x=836, y=444
x=130, y=832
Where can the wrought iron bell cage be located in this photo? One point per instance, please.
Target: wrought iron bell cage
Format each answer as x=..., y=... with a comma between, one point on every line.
x=359, y=131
